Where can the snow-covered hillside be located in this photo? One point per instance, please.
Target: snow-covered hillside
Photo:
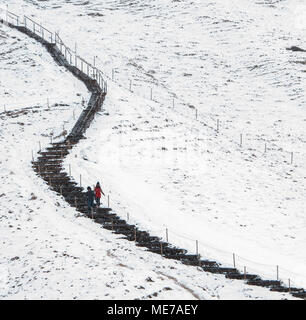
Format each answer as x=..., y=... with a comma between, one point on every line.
x=160, y=164
x=47, y=252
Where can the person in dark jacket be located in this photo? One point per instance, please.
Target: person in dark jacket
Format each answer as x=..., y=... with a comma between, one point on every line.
x=90, y=196
x=98, y=192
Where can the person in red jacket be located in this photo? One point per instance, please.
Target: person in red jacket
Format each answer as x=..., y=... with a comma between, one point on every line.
x=98, y=192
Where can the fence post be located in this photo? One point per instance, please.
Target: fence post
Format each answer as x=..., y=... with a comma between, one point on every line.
x=291, y=157
x=218, y=125
x=196, y=113
x=80, y=180
x=161, y=248
x=234, y=260
x=244, y=273
x=197, y=247
x=108, y=200
x=289, y=285
x=75, y=50
x=265, y=147
x=39, y=146
x=277, y=276
x=167, y=235
x=69, y=170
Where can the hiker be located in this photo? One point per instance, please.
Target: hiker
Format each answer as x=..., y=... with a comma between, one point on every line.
x=90, y=199
x=98, y=192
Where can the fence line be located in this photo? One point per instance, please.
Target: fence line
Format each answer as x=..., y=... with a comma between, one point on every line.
x=213, y=123
x=53, y=38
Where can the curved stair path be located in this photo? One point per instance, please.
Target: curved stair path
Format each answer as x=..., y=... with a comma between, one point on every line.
x=49, y=167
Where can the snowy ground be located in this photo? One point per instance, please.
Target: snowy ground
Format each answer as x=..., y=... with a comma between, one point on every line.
x=46, y=251
x=166, y=169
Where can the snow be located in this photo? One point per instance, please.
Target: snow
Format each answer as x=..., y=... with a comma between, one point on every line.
x=159, y=164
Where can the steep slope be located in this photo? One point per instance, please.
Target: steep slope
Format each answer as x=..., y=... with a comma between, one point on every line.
x=48, y=252
x=229, y=60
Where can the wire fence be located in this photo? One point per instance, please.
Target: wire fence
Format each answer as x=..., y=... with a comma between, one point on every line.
x=71, y=56
x=253, y=146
